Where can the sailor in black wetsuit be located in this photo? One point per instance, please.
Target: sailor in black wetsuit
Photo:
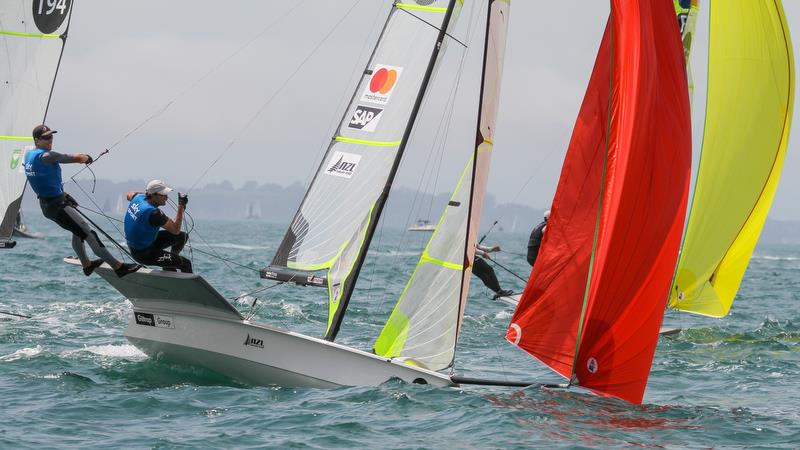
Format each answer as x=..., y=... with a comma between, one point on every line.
x=43, y=169
x=484, y=271
x=535, y=240
x=143, y=221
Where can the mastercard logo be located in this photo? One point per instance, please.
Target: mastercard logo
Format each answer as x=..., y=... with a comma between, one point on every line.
x=383, y=81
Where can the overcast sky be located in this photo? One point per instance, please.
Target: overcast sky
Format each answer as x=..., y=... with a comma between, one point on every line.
x=125, y=61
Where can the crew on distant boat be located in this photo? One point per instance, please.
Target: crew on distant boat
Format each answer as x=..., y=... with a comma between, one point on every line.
x=535, y=241
x=142, y=222
x=43, y=169
x=484, y=271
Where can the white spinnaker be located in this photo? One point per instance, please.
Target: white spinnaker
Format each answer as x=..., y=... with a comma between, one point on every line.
x=30, y=48
x=424, y=326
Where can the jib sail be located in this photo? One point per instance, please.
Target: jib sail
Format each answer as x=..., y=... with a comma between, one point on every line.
x=424, y=326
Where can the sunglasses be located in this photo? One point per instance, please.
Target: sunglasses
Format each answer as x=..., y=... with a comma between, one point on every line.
x=49, y=137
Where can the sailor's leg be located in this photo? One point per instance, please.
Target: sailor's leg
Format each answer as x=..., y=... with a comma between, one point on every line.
x=484, y=271
x=166, y=239
x=80, y=250
x=90, y=237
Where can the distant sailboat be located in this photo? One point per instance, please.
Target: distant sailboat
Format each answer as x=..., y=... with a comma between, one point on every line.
x=21, y=229
x=32, y=36
x=422, y=225
x=253, y=211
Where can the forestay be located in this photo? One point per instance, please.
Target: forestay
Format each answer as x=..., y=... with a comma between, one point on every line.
x=32, y=36
x=424, y=326
x=748, y=117
x=341, y=206
x=594, y=302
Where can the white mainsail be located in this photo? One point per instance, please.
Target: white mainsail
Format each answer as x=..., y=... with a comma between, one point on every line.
x=424, y=326
x=32, y=35
x=332, y=227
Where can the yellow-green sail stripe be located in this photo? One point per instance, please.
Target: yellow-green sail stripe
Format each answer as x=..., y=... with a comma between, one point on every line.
x=367, y=142
x=439, y=262
x=31, y=35
x=411, y=6
x=15, y=138
x=750, y=53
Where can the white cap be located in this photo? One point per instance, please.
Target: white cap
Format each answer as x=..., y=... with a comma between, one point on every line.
x=158, y=187
x=547, y=214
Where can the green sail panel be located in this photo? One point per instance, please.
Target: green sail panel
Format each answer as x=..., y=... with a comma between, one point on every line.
x=748, y=118
x=30, y=32
x=424, y=325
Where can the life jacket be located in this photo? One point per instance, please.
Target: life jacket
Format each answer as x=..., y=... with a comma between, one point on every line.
x=139, y=233
x=45, y=179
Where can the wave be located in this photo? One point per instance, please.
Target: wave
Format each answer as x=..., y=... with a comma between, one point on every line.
x=28, y=352
x=125, y=351
x=776, y=258
x=232, y=246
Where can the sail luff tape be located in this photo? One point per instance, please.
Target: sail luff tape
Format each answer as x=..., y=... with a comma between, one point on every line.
x=15, y=138
x=421, y=8
x=368, y=143
x=33, y=35
x=424, y=8
x=439, y=262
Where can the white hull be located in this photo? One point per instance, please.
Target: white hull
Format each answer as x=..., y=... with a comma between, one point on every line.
x=181, y=318
x=422, y=228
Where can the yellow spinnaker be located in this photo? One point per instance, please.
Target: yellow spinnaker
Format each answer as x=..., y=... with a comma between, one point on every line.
x=748, y=117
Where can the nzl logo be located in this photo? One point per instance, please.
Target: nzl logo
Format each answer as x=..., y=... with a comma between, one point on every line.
x=253, y=342
x=365, y=118
x=343, y=164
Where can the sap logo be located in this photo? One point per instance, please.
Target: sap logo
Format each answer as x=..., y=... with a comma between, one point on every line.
x=343, y=164
x=365, y=118
x=145, y=319
x=253, y=342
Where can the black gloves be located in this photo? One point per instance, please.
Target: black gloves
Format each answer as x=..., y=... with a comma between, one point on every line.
x=183, y=200
x=90, y=160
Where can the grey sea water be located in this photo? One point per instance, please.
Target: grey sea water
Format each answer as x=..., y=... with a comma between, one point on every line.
x=68, y=378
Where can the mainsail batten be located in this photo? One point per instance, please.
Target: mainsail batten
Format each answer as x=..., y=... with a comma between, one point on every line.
x=592, y=308
x=750, y=53
x=424, y=326
x=32, y=36
x=337, y=217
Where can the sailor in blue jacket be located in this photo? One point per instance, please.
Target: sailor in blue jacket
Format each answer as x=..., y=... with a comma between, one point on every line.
x=143, y=223
x=43, y=169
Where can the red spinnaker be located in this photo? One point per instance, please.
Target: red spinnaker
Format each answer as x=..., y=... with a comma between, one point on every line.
x=611, y=261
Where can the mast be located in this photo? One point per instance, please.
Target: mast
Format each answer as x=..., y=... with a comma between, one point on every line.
x=350, y=282
x=473, y=221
